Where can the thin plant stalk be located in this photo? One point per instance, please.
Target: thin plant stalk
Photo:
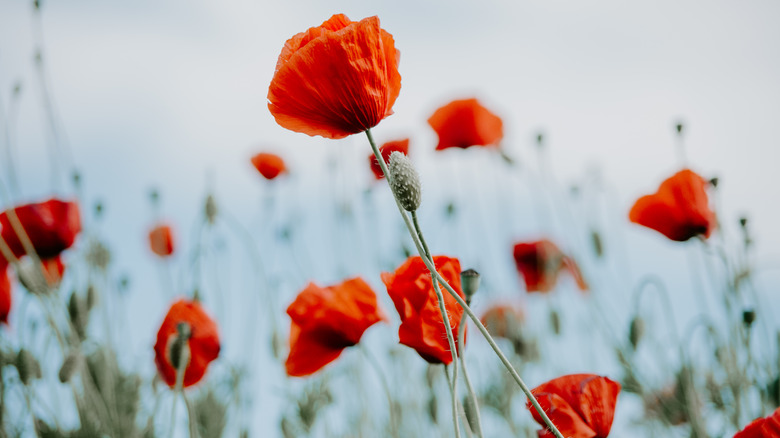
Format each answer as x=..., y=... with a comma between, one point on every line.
x=477, y=419
x=461, y=302
x=383, y=379
x=183, y=362
x=447, y=327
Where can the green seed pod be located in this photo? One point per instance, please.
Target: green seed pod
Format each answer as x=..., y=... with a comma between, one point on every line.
x=469, y=280
x=406, y=181
x=211, y=209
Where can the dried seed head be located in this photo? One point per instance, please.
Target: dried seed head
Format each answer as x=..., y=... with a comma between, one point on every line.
x=636, y=330
x=211, y=209
x=98, y=255
x=469, y=280
x=69, y=366
x=405, y=181
x=27, y=366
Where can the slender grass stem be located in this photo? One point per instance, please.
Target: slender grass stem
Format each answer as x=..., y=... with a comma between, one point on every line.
x=385, y=386
x=475, y=422
x=462, y=302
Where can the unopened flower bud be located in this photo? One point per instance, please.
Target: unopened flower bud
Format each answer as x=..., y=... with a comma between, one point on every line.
x=598, y=246
x=77, y=311
x=748, y=317
x=405, y=181
x=69, y=366
x=211, y=209
x=469, y=281
x=743, y=221
x=31, y=277
x=714, y=182
x=179, y=349
x=679, y=127
x=636, y=330
x=27, y=366
x=555, y=322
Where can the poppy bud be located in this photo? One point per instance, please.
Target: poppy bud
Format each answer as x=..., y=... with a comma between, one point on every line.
x=714, y=182
x=679, y=127
x=27, y=366
x=598, y=247
x=69, y=366
x=211, y=209
x=99, y=209
x=154, y=196
x=743, y=221
x=31, y=277
x=540, y=139
x=179, y=349
x=471, y=414
x=555, y=322
x=77, y=311
x=636, y=330
x=748, y=317
x=433, y=409
x=469, y=280
x=406, y=181
x=450, y=209
x=91, y=297
x=76, y=177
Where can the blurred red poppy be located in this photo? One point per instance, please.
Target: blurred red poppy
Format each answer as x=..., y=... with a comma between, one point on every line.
x=541, y=262
x=503, y=320
x=337, y=79
x=269, y=165
x=465, y=123
x=580, y=405
x=388, y=148
x=161, y=240
x=327, y=320
x=679, y=209
x=5, y=293
x=53, y=270
x=411, y=290
x=767, y=427
x=52, y=227
x=203, y=342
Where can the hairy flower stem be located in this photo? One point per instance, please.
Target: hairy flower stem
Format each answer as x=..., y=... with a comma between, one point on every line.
x=184, y=360
x=466, y=308
x=447, y=327
x=475, y=422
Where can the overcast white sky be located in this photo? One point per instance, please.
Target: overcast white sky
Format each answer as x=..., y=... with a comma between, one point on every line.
x=165, y=92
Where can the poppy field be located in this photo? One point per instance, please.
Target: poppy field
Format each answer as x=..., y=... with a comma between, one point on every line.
x=368, y=279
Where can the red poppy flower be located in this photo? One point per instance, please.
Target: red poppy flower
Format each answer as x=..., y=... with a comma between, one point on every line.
x=767, y=427
x=53, y=270
x=503, y=321
x=422, y=327
x=203, y=342
x=337, y=79
x=580, y=405
x=52, y=227
x=269, y=165
x=327, y=320
x=679, y=209
x=465, y=123
x=541, y=262
x=5, y=293
x=161, y=240
x=388, y=148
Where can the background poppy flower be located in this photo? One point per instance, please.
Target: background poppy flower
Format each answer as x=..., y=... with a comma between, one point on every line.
x=269, y=165
x=541, y=262
x=161, y=240
x=503, y=320
x=679, y=209
x=327, y=320
x=465, y=123
x=337, y=79
x=422, y=326
x=767, y=427
x=386, y=149
x=52, y=227
x=580, y=405
x=203, y=343
x=5, y=293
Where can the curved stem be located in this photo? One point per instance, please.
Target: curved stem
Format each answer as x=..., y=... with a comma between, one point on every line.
x=447, y=327
x=461, y=302
x=477, y=419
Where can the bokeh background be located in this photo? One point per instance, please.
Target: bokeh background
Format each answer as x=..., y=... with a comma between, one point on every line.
x=171, y=95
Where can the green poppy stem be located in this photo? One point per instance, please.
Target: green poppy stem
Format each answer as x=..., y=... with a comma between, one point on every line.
x=429, y=264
